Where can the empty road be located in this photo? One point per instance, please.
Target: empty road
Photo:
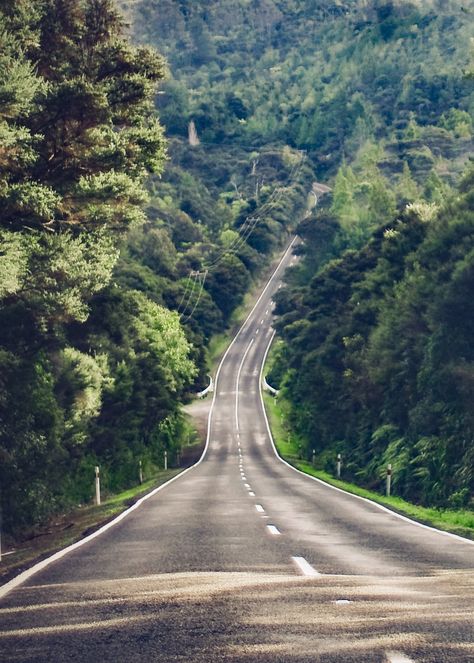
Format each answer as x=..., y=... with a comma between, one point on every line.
x=244, y=559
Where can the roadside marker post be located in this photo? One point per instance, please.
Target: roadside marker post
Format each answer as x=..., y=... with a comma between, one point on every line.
x=389, y=479
x=97, y=485
x=166, y=460
x=338, y=465
x=314, y=458
x=140, y=471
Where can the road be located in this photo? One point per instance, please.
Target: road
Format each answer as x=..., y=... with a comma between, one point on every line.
x=244, y=559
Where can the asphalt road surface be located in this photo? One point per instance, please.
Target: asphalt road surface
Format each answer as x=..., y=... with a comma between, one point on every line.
x=244, y=559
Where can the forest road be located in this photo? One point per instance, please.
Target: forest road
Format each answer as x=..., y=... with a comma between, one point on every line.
x=244, y=559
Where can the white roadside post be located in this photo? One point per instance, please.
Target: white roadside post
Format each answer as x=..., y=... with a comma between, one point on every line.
x=140, y=471
x=338, y=465
x=97, y=485
x=314, y=458
x=389, y=479
x=166, y=460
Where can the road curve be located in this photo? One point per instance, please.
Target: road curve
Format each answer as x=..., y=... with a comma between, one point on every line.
x=244, y=559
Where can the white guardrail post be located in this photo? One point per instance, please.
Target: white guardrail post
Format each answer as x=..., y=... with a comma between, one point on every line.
x=97, y=485
x=389, y=479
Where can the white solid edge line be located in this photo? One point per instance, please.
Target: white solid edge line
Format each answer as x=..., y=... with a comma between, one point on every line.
x=25, y=575
x=456, y=537
x=305, y=567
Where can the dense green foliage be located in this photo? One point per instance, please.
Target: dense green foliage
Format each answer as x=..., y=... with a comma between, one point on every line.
x=78, y=137
x=379, y=356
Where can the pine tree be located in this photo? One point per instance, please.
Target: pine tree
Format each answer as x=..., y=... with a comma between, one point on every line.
x=90, y=112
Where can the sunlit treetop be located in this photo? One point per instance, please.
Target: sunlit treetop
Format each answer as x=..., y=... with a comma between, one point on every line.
x=78, y=133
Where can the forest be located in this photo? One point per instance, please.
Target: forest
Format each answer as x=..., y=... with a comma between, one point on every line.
x=155, y=154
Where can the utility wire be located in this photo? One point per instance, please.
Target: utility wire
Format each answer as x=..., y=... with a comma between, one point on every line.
x=245, y=231
x=247, y=228
x=275, y=197
x=202, y=283
x=185, y=292
x=193, y=277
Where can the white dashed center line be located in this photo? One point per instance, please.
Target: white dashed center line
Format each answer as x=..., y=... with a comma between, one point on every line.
x=305, y=567
x=237, y=392
x=251, y=493
x=273, y=530
x=260, y=508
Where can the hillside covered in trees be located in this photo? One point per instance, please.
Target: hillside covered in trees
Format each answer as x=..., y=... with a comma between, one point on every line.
x=125, y=246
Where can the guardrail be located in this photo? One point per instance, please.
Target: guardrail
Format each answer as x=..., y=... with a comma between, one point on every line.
x=207, y=390
x=268, y=387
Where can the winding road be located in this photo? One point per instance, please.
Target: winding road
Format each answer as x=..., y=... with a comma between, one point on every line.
x=242, y=558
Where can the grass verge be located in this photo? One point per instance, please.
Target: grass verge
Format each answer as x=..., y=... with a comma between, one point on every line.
x=459, y=522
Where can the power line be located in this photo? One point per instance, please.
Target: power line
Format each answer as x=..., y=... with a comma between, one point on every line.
x=188, y=282
x=245, y=232
x=202, y=283
x=193, y=278
x=275, y=197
